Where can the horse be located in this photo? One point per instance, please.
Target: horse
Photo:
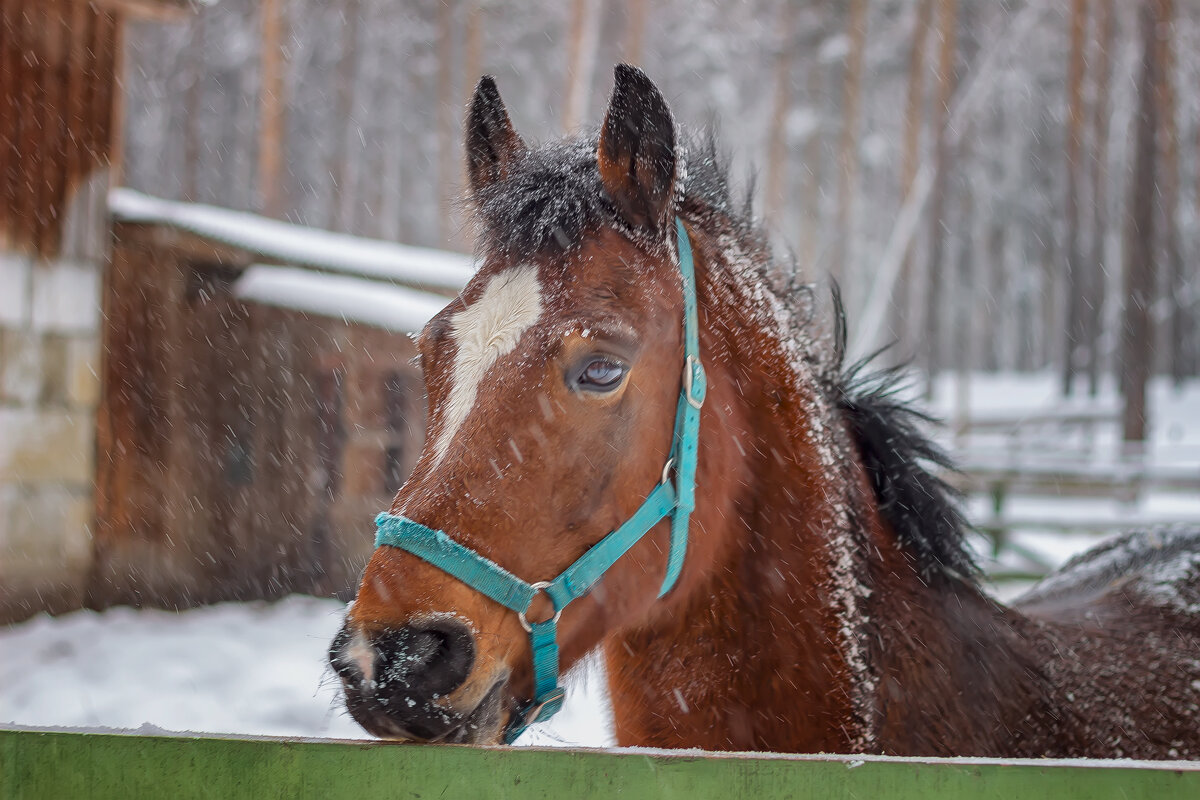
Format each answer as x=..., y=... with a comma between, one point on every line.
x=823, y=597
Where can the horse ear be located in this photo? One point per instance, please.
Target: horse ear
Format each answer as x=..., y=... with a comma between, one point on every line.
x=636, y=153
x=492, y=142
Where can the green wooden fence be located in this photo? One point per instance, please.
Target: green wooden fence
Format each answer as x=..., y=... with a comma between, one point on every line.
x=43, y=764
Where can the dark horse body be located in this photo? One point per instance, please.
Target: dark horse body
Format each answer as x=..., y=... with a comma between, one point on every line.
x=827, y=602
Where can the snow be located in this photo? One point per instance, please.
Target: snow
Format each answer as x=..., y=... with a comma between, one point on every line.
x=240, y=668
x=295, y=244
x=1171, y=455
x=371, y=302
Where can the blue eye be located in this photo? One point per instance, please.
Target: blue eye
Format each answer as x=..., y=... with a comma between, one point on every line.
x=601, y=375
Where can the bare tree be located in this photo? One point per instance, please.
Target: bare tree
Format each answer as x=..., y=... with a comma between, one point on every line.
x=1097, y=257
x=1176, y=289
x=1137, y=332
x=195, y=70
x=272, y=106
x=1074, y=256
x=342, y=157
x=947, y=26
x=905, y=299
x=581, y=56
x=447, y=106
x=856, y=31
x=810, y=193
x=636, y=12
x=777, y=155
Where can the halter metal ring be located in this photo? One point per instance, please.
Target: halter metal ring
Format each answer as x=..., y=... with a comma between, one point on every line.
x=692, y=366
x=666, y=476
x=537, y=587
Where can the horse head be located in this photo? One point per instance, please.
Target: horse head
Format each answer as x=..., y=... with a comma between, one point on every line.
x=553, y=382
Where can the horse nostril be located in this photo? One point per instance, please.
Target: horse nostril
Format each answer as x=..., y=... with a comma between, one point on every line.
x=430, y=658
x=351, y=656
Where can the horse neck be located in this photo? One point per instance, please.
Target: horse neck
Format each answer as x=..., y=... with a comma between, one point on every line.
x=760, y=646
x=806, y=618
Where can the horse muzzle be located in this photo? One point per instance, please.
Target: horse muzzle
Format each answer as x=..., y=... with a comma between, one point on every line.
x=407, y=683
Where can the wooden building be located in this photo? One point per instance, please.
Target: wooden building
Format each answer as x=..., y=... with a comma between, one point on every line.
x=253, y=418
x=179, y=422
x=59, y=151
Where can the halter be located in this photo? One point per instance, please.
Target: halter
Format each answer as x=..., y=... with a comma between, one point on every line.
x=676, y=500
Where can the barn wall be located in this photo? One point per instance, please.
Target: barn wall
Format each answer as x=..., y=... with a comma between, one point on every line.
x=59, y=131
x=57, y=61
x=243, y=450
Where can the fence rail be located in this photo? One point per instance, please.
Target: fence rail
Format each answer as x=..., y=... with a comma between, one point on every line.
x=55, y=764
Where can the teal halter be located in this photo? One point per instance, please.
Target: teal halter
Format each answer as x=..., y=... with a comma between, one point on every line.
x=678, y=500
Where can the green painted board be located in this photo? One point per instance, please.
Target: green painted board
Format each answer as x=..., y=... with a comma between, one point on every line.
x=44, y=764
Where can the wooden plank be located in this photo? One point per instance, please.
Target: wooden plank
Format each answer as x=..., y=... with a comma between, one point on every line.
x=1018, y=421
x=1084, y=524
x=10, y=154
x=58, y=764
x=1041, y=478
x=30, y=78
x=54, y=143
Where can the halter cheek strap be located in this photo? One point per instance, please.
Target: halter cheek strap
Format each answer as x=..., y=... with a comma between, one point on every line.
x=675, y=499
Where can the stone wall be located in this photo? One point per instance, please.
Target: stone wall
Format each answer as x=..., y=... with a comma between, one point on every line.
x=49, y=390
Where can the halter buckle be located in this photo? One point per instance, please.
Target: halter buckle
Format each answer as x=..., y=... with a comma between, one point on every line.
x=537, y=587
x=695, y=383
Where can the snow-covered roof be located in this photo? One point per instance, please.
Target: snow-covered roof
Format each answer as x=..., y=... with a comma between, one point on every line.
x=295, y=244
x=345, y=297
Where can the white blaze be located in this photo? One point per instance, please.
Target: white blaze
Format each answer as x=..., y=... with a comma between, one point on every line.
x=485, y=331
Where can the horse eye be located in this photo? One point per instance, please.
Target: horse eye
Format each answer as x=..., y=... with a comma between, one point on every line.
x=601, y=374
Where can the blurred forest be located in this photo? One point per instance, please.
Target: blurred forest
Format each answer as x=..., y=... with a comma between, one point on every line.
x=996, y=185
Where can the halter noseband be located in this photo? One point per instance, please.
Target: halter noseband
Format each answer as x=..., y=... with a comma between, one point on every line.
x=678, y=500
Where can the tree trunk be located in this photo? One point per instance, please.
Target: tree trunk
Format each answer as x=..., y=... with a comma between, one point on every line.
x=810, y=198
x=635, y=30
x=777, y=153
x=848, y=146
x=446, y=103
x=272, y=107
x=1136, y=332
x=343, y=156
x=905, y=300
x=1097, y=257
x=1074, y=258
x=472, y=63
x=193, y=57
x=1176, y=290
x=947, y=30
x=581, y=57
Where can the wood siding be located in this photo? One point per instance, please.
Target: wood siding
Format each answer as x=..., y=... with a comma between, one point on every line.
x=242, y=450
x=57, y=66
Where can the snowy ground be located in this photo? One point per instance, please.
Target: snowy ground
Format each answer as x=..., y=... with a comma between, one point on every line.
x=260, y=668
x=254, y=668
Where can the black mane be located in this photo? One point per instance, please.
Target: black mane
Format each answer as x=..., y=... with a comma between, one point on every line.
x=921, y=508
x=552, y=198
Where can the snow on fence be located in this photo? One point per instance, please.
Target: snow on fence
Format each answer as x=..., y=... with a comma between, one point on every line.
x=103, y=765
